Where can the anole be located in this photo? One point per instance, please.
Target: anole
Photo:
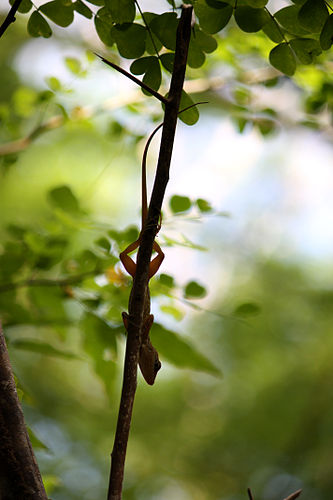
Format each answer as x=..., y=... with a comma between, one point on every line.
x=148, y=357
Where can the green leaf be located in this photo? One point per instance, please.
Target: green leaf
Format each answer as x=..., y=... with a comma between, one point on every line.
x=122, y=11
x=24, y=7
x=273, y=31
x=24, y=100
x=82, y=9
x=213, y=20
x=172, y=311
x=283, y=59
x=150, y=66
x=36, y=443
x=47, y=304
x=164, y=27
x=180, y=203
x=203, y=205
x=74, y=66
x=153, y=44
x=167, y=280
x=313, y=15
x=191, y=116
x=12, y=259
x=288, y=18
x=59, y=13
x=167, y=60
x=40, y=347
x=87, y=261
x=99, y=342
x=153, y=75
x=104, y=244
x=174, y=349
x=96, y=2
x=130, y=39
x=306, y=49
x=63, y=197
x=251, y=20
x=53, y=83
x=194, y=290
x=326, y=36
x=256, y=3
x=247, y=309
x=103, y=25
x=38, y=26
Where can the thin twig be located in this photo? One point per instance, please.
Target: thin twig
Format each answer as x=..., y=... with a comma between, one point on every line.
x=148, y=28
x=10, y=18
x=294, y=495
x=134, y=79
x=19, y=473
x=140, y=281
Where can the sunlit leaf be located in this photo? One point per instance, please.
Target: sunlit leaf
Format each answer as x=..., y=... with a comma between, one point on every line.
x=203, y=205
x=180, y=203
x=54, y=83
x=173, y=311
x=74, y=66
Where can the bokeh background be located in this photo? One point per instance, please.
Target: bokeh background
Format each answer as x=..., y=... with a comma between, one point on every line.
x=243, y=307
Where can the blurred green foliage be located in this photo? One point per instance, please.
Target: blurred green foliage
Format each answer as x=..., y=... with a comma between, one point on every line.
x=195, y=435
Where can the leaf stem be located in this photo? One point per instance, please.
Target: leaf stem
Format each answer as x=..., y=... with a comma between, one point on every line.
x=134, y=79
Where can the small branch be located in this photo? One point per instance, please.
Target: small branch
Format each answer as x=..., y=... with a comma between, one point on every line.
x=134, y=79
x=140, y=282
x=70, y=280
x=249, y=492
x=10, y=17
x=19, y=473
x=294, y=495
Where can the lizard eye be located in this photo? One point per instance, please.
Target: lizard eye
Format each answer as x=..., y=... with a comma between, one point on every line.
x=157, y=365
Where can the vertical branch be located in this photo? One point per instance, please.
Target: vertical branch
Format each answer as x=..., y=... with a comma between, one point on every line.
x=140, y=283
x=10, y=18
x=19, y=473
